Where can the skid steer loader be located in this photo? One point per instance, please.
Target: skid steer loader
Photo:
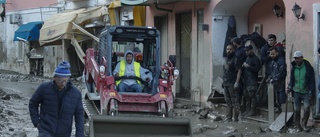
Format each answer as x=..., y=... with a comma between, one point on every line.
x=114, y=113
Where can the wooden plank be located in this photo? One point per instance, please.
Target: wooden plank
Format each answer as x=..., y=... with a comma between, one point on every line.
x=279, y=123
x=270, y=103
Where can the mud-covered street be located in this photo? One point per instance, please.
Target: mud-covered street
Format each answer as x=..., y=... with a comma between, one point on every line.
x=16, y=90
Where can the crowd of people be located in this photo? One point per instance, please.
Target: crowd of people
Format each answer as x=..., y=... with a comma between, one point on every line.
x=240, y=80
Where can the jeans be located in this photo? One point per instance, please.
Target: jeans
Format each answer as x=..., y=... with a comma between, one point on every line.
x=298, y=97
x=124, y=87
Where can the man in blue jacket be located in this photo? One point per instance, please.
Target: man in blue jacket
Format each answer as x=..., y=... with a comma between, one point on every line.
x=302, y=85
x=59, y=102
x=278, y=77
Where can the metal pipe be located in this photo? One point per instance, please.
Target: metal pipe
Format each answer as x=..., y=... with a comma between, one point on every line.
x=162, y=9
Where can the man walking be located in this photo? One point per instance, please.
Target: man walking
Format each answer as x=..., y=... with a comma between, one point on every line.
x=59, y=103
x=302, y=85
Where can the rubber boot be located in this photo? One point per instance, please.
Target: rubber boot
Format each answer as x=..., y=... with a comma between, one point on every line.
x=296, y=119
x=229, y=114
x=253, y=111
x=247, y=110
x=243, y=104
x=236, y=114
x=305, y=119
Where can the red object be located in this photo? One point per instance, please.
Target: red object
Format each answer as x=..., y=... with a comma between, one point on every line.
x=111, y=102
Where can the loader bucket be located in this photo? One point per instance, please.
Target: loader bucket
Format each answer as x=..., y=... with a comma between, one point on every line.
x=113, y=126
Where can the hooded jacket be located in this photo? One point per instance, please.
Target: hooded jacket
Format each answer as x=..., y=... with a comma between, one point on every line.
x=132, y=69
x=310, y=79
x=50, y=119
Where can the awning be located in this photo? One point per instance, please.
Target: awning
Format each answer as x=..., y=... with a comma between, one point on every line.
x=57, y=27
x=28, y=32
x=60, y=26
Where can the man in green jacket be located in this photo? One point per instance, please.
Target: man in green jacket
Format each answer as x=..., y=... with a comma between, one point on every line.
x=302, y=85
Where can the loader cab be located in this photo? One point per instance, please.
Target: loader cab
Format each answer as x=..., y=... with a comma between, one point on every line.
x=143, y=41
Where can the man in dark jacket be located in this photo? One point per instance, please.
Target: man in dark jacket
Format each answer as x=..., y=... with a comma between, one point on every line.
x=229, y=78
x=302, y=85
x=251, y=67
x=240, y=58
x=278, y=77
x=265, y=53
x=266, y=61
x=59, y=101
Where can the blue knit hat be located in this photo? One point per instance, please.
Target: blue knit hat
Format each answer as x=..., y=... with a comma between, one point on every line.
x=62, y=70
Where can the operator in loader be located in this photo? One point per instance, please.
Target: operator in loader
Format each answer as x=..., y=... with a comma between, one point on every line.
x=129, y=68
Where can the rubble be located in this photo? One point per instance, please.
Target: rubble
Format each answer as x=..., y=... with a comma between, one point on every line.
x=206, y=120
x=229, y=131
x=214, y=117
x=200, y=128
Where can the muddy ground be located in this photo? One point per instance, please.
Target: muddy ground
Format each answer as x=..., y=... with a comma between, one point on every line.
x=16, y=90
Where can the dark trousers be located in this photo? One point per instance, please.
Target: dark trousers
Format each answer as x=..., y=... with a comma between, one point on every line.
x=298, y=98
x=231, y=97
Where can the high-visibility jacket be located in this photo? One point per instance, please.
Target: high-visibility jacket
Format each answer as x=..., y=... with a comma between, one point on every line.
x=122, y=70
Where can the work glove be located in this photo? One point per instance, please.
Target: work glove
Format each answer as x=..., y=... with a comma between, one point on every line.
x=246, y=65
x=236, y=85
x=288, y=90
x=272, y=81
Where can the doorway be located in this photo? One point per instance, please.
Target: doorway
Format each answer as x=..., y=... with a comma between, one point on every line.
x=183, y=49
x=161, y=23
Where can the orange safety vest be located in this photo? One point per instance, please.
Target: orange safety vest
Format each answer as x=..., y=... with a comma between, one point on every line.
x=122, y=70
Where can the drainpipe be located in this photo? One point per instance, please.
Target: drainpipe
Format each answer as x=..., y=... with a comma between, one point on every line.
x=162, y=9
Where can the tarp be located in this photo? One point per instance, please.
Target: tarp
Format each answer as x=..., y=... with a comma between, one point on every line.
x=231, y=33
x=57, y=27
x=28, y=32
x=139, y=15
x=91, y=13
x=113, y=12
x=60, y=26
